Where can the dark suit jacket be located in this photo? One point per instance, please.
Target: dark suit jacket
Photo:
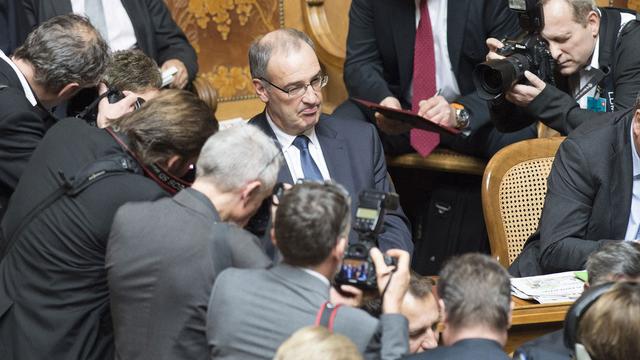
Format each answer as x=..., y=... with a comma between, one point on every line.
x=588, y=198
x=547, y=347
x=355, y=159
x=54, y=300
x=157, y=34
x=162, y=260
x=13, y=25
x=22, y=126
x=380, y=46
x=477, y=349
x=253, y=311
x=619, y=56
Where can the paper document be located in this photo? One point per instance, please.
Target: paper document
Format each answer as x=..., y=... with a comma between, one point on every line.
x=560, y=287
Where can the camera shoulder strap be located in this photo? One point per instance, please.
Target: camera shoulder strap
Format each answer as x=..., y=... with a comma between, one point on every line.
x=326, y=315
x=98, y=170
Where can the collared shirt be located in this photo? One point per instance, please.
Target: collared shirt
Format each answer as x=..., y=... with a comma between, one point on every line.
x=586, y=73
x=292, y=154
x=316, y=275
x=28, y=93
x=634, y=214
x=445, y=78
x=121, y=35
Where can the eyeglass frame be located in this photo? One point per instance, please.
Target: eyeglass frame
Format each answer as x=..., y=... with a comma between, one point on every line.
x=324, y=80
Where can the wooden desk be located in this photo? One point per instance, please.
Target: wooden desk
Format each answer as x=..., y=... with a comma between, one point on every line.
x=531, y=320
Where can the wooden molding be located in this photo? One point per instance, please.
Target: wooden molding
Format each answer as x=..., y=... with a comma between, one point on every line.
x=329, y=49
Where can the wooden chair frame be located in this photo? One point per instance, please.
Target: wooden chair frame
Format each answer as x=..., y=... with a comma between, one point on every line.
x=493, y=203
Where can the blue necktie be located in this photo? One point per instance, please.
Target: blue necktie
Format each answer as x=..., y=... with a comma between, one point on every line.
x=309, y=167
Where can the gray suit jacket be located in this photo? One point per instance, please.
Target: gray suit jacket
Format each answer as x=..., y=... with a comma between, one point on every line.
x=588, y=198
x=254, y=311
x=162, y=260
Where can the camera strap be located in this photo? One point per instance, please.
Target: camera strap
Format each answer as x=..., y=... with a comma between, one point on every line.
x=93, y=172
x=168, y=182
x=326, y=315
x=593, y=81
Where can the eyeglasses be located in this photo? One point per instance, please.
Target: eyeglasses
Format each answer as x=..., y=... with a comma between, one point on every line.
x=295, y=91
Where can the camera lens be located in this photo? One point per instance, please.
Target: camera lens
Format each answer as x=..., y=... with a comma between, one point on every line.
x=493, y=77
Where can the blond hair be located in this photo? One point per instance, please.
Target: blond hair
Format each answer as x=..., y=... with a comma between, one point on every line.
x=317, y=343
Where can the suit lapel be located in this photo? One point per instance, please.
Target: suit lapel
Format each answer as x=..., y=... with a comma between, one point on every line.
x=456, y=19
x=60, y=7
x=403, y=25
x=621, y=180
x=260, y=121
x=335, y=153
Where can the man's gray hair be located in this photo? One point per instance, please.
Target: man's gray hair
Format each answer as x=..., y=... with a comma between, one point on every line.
x=63, y=50
x=234, y=156
x=285, y=40
x=580, y=9
x=621, y=258
x=476, y=290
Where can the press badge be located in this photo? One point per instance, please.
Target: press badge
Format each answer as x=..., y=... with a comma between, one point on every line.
x=596, y=104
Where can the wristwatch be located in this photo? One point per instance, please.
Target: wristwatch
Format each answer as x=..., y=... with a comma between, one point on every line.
x=462, y=116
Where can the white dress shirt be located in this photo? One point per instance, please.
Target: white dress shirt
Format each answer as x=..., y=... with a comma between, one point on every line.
x=634, y=214
x=292, y=154
x=121, y=35
x=445, y=78
x=23, y=81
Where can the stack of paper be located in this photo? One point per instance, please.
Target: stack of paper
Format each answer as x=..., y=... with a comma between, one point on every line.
x=560, y=287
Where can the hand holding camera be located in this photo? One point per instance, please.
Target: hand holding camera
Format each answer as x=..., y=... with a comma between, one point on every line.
x=116, y=104
x=393, y=280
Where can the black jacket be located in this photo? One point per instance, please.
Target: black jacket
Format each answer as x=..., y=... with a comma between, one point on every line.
x=588, y=198
x=619, y=58
x=157, y=34
x=54, y=300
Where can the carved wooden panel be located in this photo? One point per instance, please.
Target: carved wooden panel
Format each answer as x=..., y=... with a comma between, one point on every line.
x=221, y=31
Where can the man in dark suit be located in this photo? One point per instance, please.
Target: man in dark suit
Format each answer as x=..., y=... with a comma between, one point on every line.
x=598, y=68
x=251, y=312
x=147, y=25
x=288, y=79
x=163, y=257
x=13, y=25
x=380, y=67
x=54, y=299
x=593, y=196
x=475, y=298
x=60, y=57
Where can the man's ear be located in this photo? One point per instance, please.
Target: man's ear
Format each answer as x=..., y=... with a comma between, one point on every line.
x=68, y=91
x=340, y=248
x=261, y=90
x=593, y=22
x=443, y=312
x=250, y=191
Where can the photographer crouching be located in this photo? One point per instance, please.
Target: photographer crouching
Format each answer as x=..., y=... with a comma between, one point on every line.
x=251, y=312
x=594, y=67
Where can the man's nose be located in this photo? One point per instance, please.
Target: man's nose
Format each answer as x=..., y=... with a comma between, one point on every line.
x=310, y=95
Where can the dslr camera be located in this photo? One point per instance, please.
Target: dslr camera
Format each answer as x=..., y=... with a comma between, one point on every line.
x=529, y=51
x=115, y=95
x=357, y=268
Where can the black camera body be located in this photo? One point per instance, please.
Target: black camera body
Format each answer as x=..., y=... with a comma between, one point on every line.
x=114, y=95
x=357, y=268
x=529, y=51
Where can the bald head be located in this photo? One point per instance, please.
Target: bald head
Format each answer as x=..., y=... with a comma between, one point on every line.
x=284, y=40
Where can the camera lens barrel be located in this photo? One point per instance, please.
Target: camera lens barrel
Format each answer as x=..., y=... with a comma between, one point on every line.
x=494, y=77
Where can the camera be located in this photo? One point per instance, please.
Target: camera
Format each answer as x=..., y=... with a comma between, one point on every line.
x=114, y=95
x=357, y=268
x=529, y=51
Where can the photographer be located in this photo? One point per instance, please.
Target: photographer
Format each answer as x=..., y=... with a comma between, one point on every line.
x=251, y=312
x=54, y=300
x=597, y=68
